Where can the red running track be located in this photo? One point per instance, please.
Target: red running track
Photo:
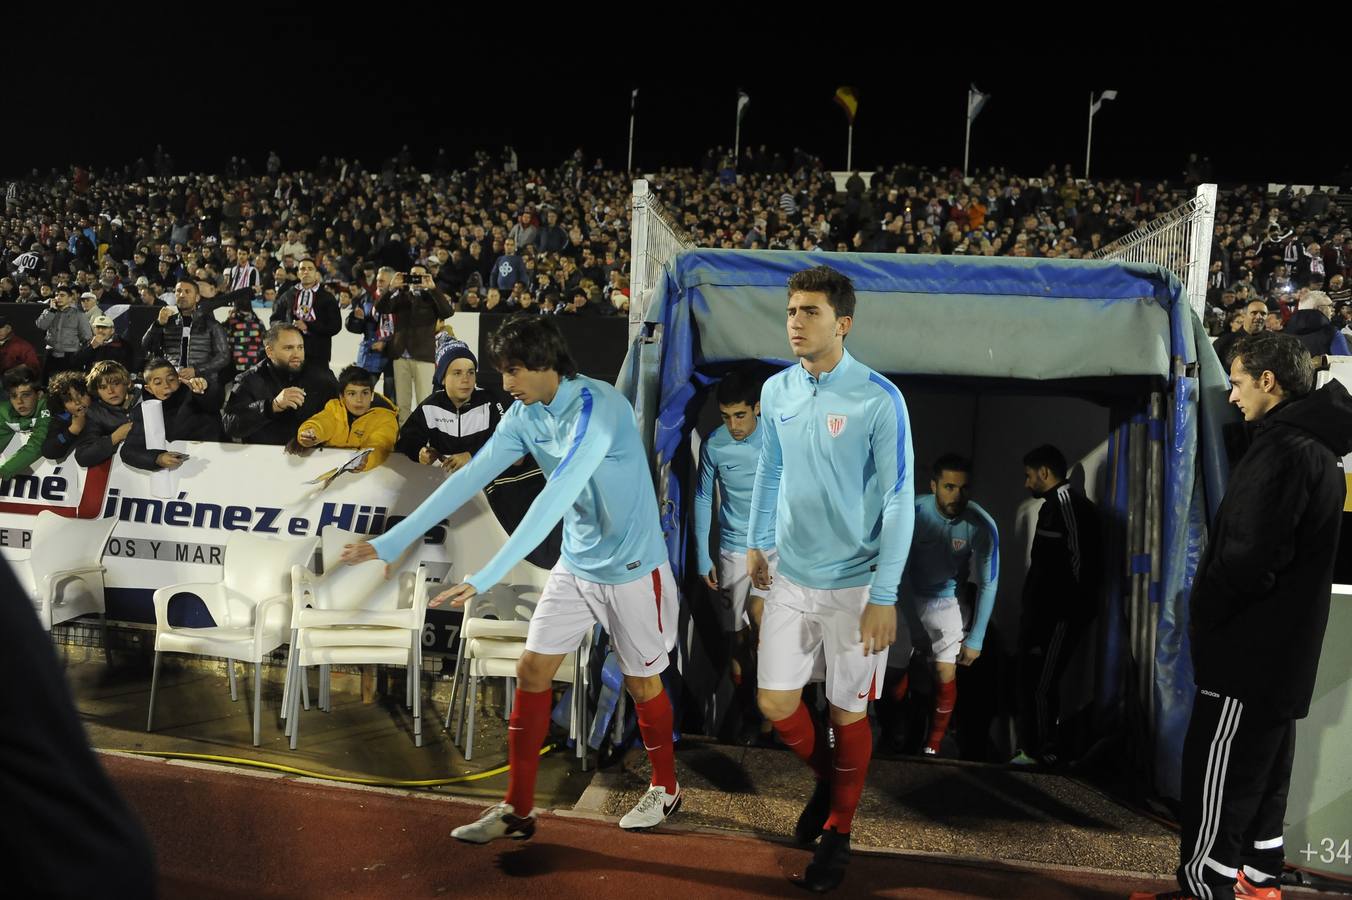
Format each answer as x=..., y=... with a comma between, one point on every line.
x=222, y=834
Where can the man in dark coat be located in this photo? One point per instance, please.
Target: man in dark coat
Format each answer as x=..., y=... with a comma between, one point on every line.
x=1258, y=611
x=273, y=398
x=313, y=310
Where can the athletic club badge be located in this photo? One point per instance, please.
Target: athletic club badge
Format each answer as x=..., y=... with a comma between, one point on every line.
x=958, y=544
x=835, y=425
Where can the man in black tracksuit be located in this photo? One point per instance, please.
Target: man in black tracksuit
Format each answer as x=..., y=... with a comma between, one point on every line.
x=1060, y=598
x=454, y=422
x=1259, y=606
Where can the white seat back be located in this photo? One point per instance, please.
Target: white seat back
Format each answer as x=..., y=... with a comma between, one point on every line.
x=363, y=586
x=65, y=543
x=332, y=542
x=257, y=567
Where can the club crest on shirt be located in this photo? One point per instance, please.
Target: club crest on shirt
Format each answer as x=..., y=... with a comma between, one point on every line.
x=958, y=544
x=835, y=425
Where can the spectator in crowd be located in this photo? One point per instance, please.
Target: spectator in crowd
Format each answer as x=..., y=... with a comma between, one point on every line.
x=69, y=398
x=1273, y=320
x=108, y=417
x=190, y=338
x=582, y=305
x=243, y=274
x=15, y=349
x=187, y=412
x=1313, y=325
x=418, y=306
x=508, y=269
x=89, y=305
x=273, y=398
x=313, y=310
x=243, y=334
x=23, y=414
x=1262, y=592
x=1060, y=599
x=1254, y=321
x=376, y=330
x=67, y=328
x=456, y=419
x=105, y=344
x=358, y=418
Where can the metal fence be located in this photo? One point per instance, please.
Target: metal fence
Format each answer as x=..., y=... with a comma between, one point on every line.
x=655, y=239
x=1179, y=240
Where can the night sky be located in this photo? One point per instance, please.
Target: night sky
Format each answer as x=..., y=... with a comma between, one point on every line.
x=209, y=93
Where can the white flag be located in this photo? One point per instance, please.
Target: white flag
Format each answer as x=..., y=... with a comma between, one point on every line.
x=633, y=100
x=743, y=101
x=1106, y=95
x=975, y=100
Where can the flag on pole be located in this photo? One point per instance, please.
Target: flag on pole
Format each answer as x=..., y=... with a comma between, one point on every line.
x=633, y=100
x=1106, y=95
x=975, y=100
x=848, y=100
x=743, y=101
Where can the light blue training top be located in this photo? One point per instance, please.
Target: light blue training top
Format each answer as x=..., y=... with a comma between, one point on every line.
x=833, y=489
x=945, y=551
x=732, y=463
x=598, y=482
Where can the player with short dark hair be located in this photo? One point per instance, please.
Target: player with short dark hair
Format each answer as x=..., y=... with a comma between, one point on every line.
x=728, y=458
x=833, y=496
x=613, y=569
x=955, y=540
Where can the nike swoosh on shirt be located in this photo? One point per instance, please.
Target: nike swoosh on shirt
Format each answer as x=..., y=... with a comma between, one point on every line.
x=730, y=467
x=784, y=418
x=651, y=661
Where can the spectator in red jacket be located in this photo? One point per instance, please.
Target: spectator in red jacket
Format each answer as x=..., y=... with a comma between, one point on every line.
x=15, y=350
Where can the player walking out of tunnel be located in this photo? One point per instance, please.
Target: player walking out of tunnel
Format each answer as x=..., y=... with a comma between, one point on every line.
x=833, y=496
x=728, y=458
x=613, y=569
x=954, y=540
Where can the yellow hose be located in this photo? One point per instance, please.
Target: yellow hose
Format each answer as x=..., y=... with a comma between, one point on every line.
x=345, y=779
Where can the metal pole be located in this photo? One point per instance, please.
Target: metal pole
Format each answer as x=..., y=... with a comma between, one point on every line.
x=1089, y=143
x=1154, y=544
x=1135, y=541
x=849, y=150
x=967, y=146
x=631, y=140
x=737, y=141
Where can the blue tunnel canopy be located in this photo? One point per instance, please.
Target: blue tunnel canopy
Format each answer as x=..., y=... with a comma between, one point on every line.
x=1082, y=326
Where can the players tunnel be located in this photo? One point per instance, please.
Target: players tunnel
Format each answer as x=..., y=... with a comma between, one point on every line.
x=993, y=357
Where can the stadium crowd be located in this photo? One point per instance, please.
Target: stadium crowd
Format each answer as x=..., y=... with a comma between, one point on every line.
x=292, y=258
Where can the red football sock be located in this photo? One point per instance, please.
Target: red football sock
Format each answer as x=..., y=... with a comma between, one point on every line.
x=525, y=733
x=945, y=698
x=899, y=689
x=808, y=742
x=854, y=748
x=654, y=723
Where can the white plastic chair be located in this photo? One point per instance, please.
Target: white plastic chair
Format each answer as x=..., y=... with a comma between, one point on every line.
x=64, y=572
x=353, y=615
x=492, y=640
x=250, y=605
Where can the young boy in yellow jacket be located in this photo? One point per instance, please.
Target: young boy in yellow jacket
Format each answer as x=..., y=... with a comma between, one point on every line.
x=357, y=419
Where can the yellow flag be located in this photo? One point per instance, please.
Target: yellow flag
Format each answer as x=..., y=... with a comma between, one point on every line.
x=848, y=100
